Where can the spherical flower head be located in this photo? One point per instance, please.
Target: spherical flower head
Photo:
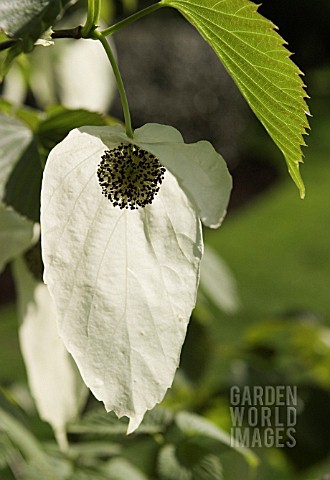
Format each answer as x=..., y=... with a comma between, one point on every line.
x=129, y=176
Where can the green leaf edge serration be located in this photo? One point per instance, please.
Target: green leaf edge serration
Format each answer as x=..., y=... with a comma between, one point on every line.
x=254, y=54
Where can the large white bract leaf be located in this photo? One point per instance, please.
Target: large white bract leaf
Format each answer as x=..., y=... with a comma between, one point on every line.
x=53, y=377
x=124, y=282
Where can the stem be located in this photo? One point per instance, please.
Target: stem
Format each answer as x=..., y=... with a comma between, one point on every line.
x=131, y=19
x=97, y=10
x=89, y=25
x=98, y=36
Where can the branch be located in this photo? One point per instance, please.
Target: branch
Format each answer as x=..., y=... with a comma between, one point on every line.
x=68, y=33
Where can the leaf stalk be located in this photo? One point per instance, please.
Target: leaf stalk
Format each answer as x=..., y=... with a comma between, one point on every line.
x=127, y=117
x=132, y=19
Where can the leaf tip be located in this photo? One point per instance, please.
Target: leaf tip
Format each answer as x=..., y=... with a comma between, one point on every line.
x=134, y=423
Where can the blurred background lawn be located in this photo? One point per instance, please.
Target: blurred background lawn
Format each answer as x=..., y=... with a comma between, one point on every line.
x=277, y=246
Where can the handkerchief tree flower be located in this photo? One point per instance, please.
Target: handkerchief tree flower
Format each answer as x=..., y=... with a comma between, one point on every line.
x=122, y=209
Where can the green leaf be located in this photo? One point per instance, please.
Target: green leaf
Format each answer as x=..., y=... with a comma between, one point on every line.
x=24, y=184
x=194, y=425
x=255, y=56
x=14, y=139
x=27, y=443
x=122, y=469
x=61, y=120
x=186, y=462
x=24, y=152
x=16, y=235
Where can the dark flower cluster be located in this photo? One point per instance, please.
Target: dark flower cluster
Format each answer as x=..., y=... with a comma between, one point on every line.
x=129, y=176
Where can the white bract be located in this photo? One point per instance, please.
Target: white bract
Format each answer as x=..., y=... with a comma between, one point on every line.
x=124, y=281
x=54, y=381
x=81, y=65
x=218, y=282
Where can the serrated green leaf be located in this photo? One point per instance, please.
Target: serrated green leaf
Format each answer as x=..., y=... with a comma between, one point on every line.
x=254, y=55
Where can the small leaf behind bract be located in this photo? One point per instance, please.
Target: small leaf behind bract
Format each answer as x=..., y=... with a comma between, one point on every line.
x=16, y=234
x=254, y=55
x=124, y=282
x=14, y=139
x=24, y=184
x=200, y=170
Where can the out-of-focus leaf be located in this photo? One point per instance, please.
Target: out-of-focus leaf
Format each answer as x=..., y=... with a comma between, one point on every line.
x=191, y=424
x=254, y=55
x=14, y=86
x=122, y=469
x=26, y=20
x=27, y=443
x=23, y=151
x=60, y=120
x=24, y=184
x=186, y=462
x=17, y=234
x=14, y=139
x=6, y=449
x=209, y=468
x=53, y=377
x=169, y=466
